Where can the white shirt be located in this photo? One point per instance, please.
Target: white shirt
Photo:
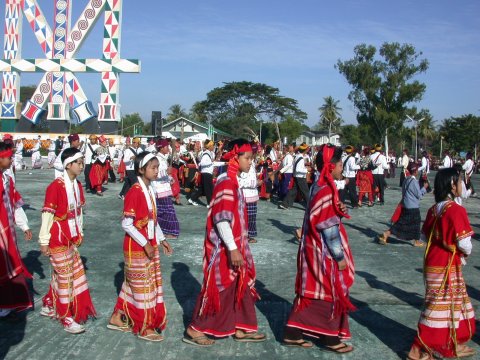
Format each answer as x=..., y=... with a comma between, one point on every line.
x=287, y=164
x=89, y=153
x=405, y=161
x=151, y=148
x=36, y=147
x=273, y=155
x=468, y=167
x=51, y=148
x=248, y=183
x=380, y=163
x=299, y=169
x=127, y=157
x=206, y=162
x=19, y=149
x=425, y=165
x=447, y=162
x=349, y=171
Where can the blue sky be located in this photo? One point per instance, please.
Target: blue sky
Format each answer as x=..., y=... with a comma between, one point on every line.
x=189, y=47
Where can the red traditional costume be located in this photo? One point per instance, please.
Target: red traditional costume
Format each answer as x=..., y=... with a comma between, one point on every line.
x=62, y=230
x=448, y=319
x=227, y=299
x=322, y=303
x=99, y=172
x=13, y=272
x=141, y=297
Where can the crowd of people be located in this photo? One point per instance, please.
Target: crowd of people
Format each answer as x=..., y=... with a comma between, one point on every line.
x=233, y=176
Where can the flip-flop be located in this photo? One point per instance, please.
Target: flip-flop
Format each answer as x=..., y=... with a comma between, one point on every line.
x=152, y=337
x=123, y=328
x=381, y=240
x=195, y=340
x=250, y=337
x=466, y=353
x=301, y=344
x=342, y=346
x=424, y=356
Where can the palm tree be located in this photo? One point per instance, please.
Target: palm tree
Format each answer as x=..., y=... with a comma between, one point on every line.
x=175, y=111
x=330, y=114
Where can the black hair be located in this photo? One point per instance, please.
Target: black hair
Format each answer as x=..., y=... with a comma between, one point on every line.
x=4, y=146
x=412, y=167
x=239, y=142
x=443, y=183
x=68, y=152
x=138, y=160
x=337, y=156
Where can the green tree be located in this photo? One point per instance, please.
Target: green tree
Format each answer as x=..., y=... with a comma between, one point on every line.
x=131, y=122
x=461, y=133
x=330, y=117
x=291, y=128
x=245, y=103
x=383, y=88
x=175, y=111
x=198, y=112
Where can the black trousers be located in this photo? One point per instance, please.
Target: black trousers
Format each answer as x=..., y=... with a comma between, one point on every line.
x=402, y=177
x=206, y=188
x=351, y=190
x=111, y=173
x=86, y=172
x=379, y=181
x=130, y=179
x=299, y=184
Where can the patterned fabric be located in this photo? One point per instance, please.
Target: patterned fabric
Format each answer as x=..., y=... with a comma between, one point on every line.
x=227, y=204
x=98, y=175
x=167, y=217
x=447, y=319
x=252, y=219
x=68, y=294
x=408, y=225
x=141, y=297
x=318, y=276
x=13, y=272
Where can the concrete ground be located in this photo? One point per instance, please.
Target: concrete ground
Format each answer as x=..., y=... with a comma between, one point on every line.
x=388, y=288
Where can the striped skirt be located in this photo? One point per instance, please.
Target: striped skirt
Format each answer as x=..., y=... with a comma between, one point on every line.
x=141, y=297
x=448, y=319
x=252, y=219
x=166, y=217
x=69, y=294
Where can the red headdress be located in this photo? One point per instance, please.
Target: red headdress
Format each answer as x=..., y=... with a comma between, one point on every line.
x=6, y=153
x=327, y=178
x=233, y=162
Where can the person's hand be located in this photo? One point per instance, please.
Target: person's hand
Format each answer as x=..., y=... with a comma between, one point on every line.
x=425, y=184
x=346, y=181
x=342, y=207
x=167, y=248
x=259, y=182
x=45, y=250
x=149, y=250
x=236, y=259
x=342, y=265
x=28, y=234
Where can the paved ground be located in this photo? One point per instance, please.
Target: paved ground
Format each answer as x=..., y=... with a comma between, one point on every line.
x=388, y=289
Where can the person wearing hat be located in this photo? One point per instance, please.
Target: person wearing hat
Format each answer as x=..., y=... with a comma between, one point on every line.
x=74, y=142
x=100, y=165
x=299, y=179
x=379, y=161
x=128, y=159
x=350, y=168
x=166, y=215
x=89, y=159
x=205, y=165
x=14, y=289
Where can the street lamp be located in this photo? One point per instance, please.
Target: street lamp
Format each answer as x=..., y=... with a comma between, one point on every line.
x=416, y=136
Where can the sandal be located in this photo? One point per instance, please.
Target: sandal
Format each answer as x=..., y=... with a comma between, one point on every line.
x=381, y=240
x=251, y=337
x=197, y=341
x=301, y=343
x=122, y=328
x=423, y=356
x=252, y=241
x=466, y=352
x=418, y=243
x=341, y=348
x=153, y=337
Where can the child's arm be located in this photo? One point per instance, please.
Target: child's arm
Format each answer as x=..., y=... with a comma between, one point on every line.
x=22, y=222
x=465, y=245
x=332, y=239
x=132, y=231
x=44, y=235
x=226, y=234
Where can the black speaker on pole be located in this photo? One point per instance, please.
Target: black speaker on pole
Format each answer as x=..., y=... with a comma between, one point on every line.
x=156, y=123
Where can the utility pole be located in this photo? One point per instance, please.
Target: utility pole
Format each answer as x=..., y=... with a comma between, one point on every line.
x=416, y=135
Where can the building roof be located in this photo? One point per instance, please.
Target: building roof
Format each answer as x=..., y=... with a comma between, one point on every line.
x=199, y=124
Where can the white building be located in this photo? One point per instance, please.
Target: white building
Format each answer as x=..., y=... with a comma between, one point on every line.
x=314, y=138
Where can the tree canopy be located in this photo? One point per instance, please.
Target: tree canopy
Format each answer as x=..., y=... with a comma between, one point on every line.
x=175, y=111
x=246, y=103
x=330, y=117
x=461, y=133
x=384, y=87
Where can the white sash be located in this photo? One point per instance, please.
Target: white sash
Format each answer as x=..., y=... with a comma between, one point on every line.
x=149, y=196
x=73, y=199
